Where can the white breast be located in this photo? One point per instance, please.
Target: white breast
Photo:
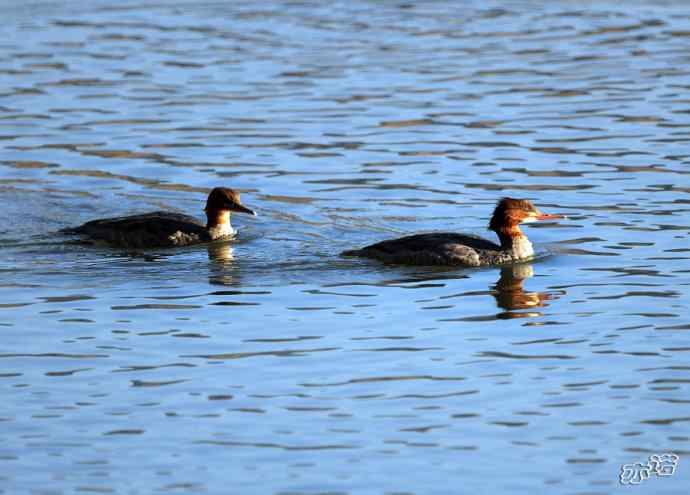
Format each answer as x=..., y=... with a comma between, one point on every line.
x=222, y=230
x=522, y=248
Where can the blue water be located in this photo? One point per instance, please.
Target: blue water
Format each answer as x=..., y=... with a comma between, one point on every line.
x=272, y=364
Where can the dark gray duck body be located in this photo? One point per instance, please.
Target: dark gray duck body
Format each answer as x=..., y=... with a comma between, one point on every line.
x=168, y=229
x=155, y=229
x=436, y=249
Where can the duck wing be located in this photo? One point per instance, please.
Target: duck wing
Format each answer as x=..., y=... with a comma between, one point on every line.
x=433, y=249
x=158, y=228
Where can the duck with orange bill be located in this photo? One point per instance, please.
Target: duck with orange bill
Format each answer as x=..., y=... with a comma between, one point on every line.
x=168, y=229
x=453, y=249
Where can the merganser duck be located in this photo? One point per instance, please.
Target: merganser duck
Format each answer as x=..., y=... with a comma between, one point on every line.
x=464, y=250
x=167, y=229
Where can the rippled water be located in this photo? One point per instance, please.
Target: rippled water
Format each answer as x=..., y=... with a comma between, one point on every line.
x=272, y=365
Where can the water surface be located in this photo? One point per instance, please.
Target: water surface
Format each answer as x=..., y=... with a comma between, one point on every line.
x=272, y=365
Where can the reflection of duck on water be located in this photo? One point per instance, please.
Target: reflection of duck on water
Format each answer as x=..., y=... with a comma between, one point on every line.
x=222, y=267
x=221, y=253
x=510, y=294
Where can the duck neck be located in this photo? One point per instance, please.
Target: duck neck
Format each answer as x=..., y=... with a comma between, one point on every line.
x=513, y=240
x=218, y=224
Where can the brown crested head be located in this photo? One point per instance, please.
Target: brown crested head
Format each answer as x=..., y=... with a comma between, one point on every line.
x=510, y=212
x=225, y=199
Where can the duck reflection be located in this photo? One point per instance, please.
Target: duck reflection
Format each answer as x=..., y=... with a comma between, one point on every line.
x=222, y=257
x=221, y=253
x=511, y=295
